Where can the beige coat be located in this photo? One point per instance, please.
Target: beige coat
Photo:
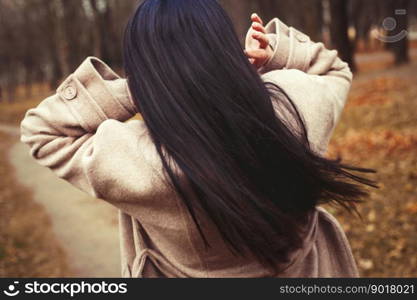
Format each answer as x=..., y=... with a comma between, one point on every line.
x=81, y=134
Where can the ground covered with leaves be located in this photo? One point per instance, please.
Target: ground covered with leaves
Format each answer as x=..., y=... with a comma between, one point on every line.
x=379, y=130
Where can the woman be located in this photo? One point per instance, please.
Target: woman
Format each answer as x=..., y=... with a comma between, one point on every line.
x=224, y=175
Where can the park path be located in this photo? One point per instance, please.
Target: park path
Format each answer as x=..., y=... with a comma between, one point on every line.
x=86, y=228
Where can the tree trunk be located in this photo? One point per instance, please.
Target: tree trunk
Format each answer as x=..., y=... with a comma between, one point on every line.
x=53, y=43
x=28, y=59
x=312, y=22
x=400, y=45
x=305, y=15
x=339, y=31
x=97, y=37
x=72, y=25
x=107, y=42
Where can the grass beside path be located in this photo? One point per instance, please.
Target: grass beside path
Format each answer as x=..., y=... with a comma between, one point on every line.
x=28, y=247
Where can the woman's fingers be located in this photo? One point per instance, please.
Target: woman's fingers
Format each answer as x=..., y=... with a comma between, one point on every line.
x=258, y=27
x=262, y=39
x=256, y=57
x=257, y=23
x=256, y=54
x=256, y=18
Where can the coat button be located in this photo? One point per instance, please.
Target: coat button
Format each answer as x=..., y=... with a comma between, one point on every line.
x=70, y=92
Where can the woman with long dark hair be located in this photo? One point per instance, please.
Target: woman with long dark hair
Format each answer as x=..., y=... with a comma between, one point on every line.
x=224, y=175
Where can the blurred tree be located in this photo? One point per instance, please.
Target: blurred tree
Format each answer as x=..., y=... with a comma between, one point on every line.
x=121, y=11
x=110, y=18
x=9, y=47
x=339, y=30
x=363, y=18
x=52, y=44
x=34, y=25
x=43, y=40
x=399, y=10
x=294, y=14
x=312, y=22
x=104, y=35
x=74, y=25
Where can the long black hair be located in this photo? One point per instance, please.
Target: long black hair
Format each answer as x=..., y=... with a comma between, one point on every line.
x=209, y=113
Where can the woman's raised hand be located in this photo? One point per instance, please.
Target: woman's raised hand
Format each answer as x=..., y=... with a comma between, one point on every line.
x=258, y=49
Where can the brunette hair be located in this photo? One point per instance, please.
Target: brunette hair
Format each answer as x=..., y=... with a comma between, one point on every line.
x=209, y=112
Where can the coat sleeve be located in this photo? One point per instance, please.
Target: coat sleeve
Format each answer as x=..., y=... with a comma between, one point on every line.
x=315, y=79
x=69, y=131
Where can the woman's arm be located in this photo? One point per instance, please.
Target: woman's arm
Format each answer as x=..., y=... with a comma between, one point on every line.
x=315, y=78
x=72, y=130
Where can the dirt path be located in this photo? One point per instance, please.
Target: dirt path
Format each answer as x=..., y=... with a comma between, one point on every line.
x=85, y=227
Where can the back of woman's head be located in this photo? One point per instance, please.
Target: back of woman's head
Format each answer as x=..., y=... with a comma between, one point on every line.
x=208, y=111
